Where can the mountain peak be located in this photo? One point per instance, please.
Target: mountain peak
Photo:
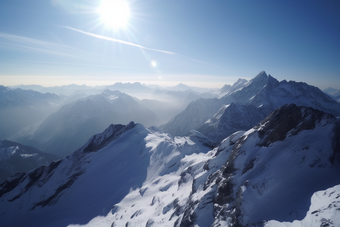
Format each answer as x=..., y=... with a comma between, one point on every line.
x=262, y=74
x=259, y=80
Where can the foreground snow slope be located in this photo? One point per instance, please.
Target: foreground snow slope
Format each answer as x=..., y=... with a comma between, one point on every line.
x=323, y=211
x=88, y=182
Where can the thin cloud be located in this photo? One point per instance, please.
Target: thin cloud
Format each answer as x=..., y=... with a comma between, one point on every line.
x=119, y=41
x=21, y=43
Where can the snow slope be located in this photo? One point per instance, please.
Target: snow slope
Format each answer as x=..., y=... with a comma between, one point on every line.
x=89, y=182
x=323, y=211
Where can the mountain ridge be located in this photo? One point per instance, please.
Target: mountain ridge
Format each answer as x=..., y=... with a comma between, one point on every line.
x=263, y=91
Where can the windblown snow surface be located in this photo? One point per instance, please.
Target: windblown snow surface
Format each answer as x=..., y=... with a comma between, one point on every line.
x=133, y=176
x=89, y=182
x=324, y=211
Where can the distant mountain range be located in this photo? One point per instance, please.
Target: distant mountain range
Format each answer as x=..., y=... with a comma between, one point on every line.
x=130, y=175
x=128, y=88
x=22, y=109
x=43, y=120
x=65, y=90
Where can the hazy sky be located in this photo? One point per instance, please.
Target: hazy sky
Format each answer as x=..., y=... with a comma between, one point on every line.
x=202, y=43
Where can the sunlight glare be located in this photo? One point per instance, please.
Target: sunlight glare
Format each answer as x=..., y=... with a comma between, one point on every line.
x=114, y=13
x=153, y=64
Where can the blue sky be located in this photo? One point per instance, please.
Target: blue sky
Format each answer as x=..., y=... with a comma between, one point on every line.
x=166, y=42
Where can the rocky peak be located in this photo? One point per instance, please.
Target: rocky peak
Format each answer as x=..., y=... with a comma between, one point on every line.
x=289, y=119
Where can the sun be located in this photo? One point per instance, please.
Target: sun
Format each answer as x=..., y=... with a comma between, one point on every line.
x=114, y=13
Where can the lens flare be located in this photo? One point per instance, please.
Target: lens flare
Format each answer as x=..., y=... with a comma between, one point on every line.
x=153, y=64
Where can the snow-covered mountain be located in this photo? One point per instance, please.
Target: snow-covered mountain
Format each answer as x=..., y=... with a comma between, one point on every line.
x=133, y=176
x=228, y=89
x=20, y=109
x=74, y=123
x=15, y=157
x=263, y=92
